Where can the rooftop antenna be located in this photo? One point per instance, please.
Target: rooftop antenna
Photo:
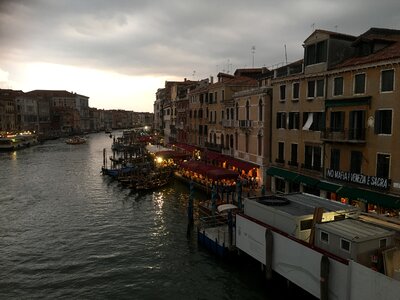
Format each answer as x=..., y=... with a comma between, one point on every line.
x=253, y=50
x=336, y=28
x=194, y=73
x=313, y=26
x=285, y=54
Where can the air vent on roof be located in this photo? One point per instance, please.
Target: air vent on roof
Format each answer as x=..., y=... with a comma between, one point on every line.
x=273, y=200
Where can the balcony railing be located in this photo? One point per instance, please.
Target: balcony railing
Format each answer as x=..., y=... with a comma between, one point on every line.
x=230, y=151
x=355, y=135
x=245, y=123
x=213, y=147
x=228, y=123
x=311, y=167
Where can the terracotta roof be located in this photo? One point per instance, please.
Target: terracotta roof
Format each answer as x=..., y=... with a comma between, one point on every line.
x=50, y=93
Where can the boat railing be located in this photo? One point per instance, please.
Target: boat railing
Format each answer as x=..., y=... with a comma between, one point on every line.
x=216, y=227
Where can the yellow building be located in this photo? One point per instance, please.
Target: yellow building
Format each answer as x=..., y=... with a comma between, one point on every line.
x=334, y=123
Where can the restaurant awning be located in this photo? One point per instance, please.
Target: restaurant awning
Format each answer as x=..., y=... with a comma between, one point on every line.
x=212, y=172
x=171, y=154
x=241, y=164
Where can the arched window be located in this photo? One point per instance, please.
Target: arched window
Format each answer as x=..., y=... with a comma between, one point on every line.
x=215, y=138
x=259, y=144
x=231, y=141
x=237, y=111
x=260, y=110
x=236, y=140
x=195, y=114
x=227, y=141
x=222, y=140
x=232, y=113
x=247, y=142
x=227, y=113
x=247, y=110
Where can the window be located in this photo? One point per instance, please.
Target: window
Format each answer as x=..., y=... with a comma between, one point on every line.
x=210, y=98
x=281, y=120
x=247, y=142
x=237, y=111
x=236, y=140
x=293, y=155
x=311, y=89
x=345, y=245
x=337, y=121
x=359, y=84
x=294, y=120
x=382, y=243
x=356, y=162
x=312, y=157
x=383, y=121
x=338, y=86
x=310, y=55
x=296, y=91
x=306, y=224
x=247, y=110
x=387, y=80
x=324, y=237
x=314, y=121
x=321, y=52
x=335, y=159
x=320, y=88
x=281, y=152
x=316, y=53
x=357, y=125
x=259, y=144
x=382, y=165
x=282, y=92
x=260, y=110
x=215, y=97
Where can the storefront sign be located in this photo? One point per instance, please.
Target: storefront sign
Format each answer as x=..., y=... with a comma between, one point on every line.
x=371, y=181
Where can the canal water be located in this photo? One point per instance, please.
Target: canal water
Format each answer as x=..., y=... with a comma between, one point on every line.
x=67, y=232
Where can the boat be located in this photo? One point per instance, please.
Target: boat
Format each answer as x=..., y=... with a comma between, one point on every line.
x=76, y=140
x=12, y=142
x=323, y=246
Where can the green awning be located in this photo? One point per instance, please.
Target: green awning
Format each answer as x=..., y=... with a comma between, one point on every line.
x=292, y=176
x=348, y=102
x=381, y=199
x=273, y=171
x=328, y=186
x=307, y=180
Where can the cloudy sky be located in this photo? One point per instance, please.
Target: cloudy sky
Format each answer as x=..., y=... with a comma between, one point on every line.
x=119, y=52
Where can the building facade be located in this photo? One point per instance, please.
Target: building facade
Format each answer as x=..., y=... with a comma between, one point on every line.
x=334, y=123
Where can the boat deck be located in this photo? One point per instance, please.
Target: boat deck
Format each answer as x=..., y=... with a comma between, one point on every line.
x=220, y=235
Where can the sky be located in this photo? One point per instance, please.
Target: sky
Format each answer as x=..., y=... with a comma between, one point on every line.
x=120, y=52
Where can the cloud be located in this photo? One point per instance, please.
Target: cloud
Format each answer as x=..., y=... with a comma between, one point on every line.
x=174, y=37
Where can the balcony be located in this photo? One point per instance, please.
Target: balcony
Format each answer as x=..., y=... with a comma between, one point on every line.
x=355, y=135
x=213, y=147
x=230, y=152
x=228, y=123
x=245, y=124
x=280, y=161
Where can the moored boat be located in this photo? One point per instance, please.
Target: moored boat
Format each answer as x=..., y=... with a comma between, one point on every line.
x=76, y=140
x=12, y=142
